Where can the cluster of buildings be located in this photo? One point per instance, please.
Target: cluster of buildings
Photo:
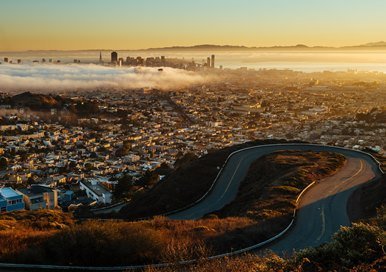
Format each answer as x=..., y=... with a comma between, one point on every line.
x=52, y=160
x=43, y=60
x=159, y=62
x=34, y=197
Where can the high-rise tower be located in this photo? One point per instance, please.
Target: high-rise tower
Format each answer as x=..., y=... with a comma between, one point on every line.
x=100, y=57
x=114, y=57
x=212, y=61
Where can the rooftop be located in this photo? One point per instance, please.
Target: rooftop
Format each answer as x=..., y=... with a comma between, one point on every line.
x=97, y=189
x=8, y=192
x=35, y=190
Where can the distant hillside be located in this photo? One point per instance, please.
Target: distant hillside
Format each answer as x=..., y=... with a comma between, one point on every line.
x=206, y=47
x=380, y=44
x=37, y=101
x=214, y=47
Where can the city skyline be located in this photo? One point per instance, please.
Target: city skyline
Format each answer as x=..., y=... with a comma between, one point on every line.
x=74, y=25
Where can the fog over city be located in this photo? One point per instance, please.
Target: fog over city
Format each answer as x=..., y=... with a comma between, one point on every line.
x=62, y=77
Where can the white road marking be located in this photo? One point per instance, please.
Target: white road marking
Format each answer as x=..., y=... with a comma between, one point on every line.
x=323, y=224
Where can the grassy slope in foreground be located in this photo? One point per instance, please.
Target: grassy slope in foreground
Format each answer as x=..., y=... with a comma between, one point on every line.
x=58, y=239
x=359, y=248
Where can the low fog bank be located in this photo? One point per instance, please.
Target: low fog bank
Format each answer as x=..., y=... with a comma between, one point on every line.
x=63, y=77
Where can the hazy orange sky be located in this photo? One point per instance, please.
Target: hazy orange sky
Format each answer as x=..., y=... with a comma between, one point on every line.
x=126, y=24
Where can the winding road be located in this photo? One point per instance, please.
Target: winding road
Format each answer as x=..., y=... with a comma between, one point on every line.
x=321, y=210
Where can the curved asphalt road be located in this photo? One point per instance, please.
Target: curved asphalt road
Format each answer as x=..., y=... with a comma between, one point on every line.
x=322, y=209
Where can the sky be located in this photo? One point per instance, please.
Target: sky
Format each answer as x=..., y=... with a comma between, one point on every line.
x=137, y=24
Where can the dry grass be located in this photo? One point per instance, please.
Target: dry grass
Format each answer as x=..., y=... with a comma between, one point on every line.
x=108, y=242
x=22, y=243
x=246, y=263
x=56, y=238
x=36, y=220
x=358, y=248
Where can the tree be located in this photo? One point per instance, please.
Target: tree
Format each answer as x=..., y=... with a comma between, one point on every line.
x=184, y=159
x=149, y=179
x=30, y=180
x=3, y=163
x=164, y=169
x=88, y=166
x=123, y=186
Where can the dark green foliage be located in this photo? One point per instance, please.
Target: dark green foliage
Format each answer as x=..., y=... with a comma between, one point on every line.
x=350, y=246
x=123, y=187
x=3, y=163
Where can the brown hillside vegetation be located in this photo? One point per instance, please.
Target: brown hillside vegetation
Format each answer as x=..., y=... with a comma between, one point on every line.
x=37, y=101
x=65, y=241
x=52, y=237
x=359, y=248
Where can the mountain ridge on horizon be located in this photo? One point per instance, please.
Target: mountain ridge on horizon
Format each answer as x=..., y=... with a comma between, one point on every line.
x=202, y=47
x=380, y=44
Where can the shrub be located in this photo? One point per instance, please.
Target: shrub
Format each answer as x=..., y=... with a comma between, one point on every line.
x=100, y=243
x=350, y=246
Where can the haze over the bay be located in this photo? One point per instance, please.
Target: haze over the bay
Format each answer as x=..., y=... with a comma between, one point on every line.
x=301, y=60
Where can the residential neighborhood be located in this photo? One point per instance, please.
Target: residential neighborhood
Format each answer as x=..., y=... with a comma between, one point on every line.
x=75, y=149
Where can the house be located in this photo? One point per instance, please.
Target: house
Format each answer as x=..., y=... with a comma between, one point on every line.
x=39, y=197
x=10, y=200
x=96, y=191
x=60, y=179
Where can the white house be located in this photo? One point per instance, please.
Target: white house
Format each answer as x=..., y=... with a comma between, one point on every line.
x=96, y=191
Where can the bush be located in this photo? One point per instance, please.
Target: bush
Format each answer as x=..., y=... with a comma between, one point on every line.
x=350, y=246
x=112, y=243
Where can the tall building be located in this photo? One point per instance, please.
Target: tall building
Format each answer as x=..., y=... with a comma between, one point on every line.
x=208, y=62
x=5, y=59
x=212, y=61
x=114, y=57
x=100, y=57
